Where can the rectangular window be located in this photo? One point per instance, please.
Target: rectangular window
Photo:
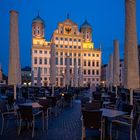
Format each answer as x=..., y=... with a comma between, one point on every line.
x=84, y=54
x=79, y=40
x=79, y=54
x=75, y=40
x=70, y=39
x=70, y=47
x=84, y=71
x=89, y=54
x=45, y=60
x=97, y=64
x=97, y=55
x=66, y=39
x=45, y=70
x=84, y=63
x=93, y=72
x=40, y=60
x=79, y=47
x=97, y=72
x=40, y=52
x=74, y=54
x=61, y=38
x=56, y=60
x=35, y=60
x=61, y=61
x=70, y=54
x=45, y=52
x=70, y=61
x=61, y=53
x=93, y=63
x=35, y=51
x=61, y=46
x=74, y=47
x=88, y=63
x=74, y=60
x=88, y=72
x=66, y=46
x=93, y=54
x=79, y=62
x=56, y=38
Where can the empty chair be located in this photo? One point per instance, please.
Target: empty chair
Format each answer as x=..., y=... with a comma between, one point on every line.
x=94, y=105
x=92, y=119
x=6, y=114
x=127, y=119
x=46, y=103
x=26, y=114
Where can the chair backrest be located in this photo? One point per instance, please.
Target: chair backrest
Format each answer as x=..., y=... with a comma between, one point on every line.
x=97, y=96
x=3, y=106
x=126, y=108
x=92, y=118
x=26, y=112
x=45, y=103
x=93, y=105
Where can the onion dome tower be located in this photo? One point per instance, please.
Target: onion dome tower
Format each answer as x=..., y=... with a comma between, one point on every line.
x=38, y=27
x=86, y=29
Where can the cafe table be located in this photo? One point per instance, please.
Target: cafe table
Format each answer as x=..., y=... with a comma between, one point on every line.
x=110, y=114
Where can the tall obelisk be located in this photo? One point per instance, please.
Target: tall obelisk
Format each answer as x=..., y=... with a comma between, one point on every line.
x=14, y=71
x=131, y=69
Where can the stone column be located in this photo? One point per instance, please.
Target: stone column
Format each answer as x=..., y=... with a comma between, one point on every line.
x=116, y=64
x=131, y=69
x=14, y=71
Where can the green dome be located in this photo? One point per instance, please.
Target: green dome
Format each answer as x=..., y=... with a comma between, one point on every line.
x=38, y=19
x=86, y=25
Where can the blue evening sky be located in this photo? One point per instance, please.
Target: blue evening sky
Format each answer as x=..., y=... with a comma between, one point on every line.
x=105, y=16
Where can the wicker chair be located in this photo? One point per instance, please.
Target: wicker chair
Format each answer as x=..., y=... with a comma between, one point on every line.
x=92, y=119
x=26, y=114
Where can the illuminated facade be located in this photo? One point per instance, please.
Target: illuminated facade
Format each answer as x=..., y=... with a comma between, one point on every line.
x=69, y=41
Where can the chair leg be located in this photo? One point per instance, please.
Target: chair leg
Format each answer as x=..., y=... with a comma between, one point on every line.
x=43, y=118
x=19, y=130
x=110, y=130
x=135, y=134
x=2, y=124
x=33, y=122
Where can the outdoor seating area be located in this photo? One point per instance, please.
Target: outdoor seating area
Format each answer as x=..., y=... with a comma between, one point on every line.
x=91, y=117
